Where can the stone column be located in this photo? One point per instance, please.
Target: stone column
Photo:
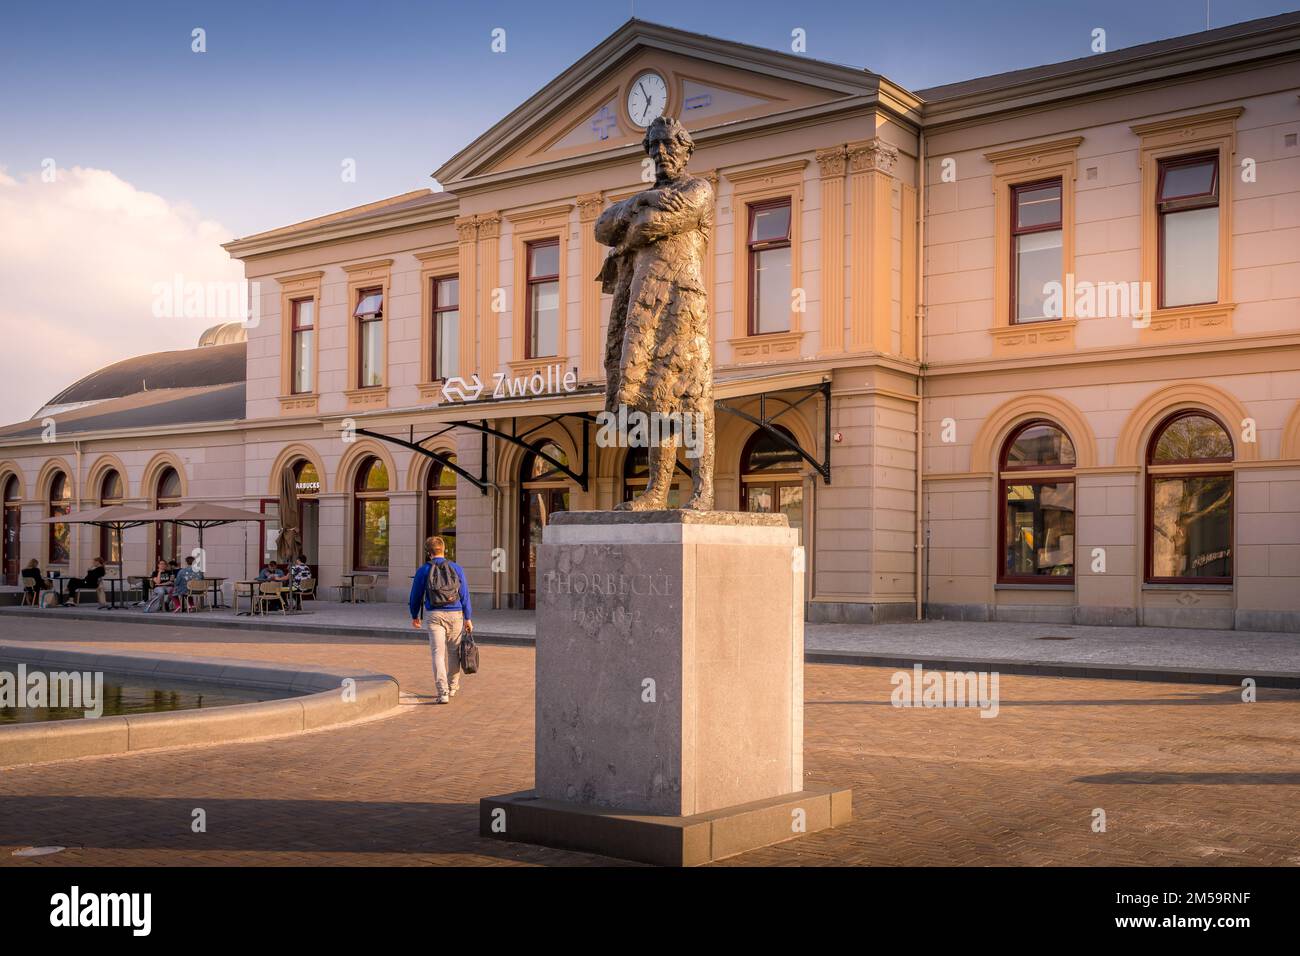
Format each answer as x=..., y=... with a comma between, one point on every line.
x=489, y=233
x=1106, y=552
x=592, y=356
x=832, y=163
x=467, y=233
x=871, y=165
x=710, y=264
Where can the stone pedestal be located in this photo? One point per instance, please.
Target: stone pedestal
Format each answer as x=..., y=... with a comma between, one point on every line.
x=669, y=689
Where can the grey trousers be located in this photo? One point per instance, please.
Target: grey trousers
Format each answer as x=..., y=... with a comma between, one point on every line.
x=445, y=628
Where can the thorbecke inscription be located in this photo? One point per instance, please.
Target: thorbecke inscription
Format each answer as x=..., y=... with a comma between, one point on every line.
x=581, y=582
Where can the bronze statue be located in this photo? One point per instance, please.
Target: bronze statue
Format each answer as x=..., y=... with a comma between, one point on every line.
x=657, y=357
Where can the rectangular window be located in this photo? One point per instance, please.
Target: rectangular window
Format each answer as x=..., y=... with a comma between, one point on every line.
x=370, y=337
x=1191, y=529
x=1038, y=531
x=1187, y=204
x=303, y=344
x=1037, y=240
x=372, y=534
x=543, y=299
x=769, y=267
x=445, y=296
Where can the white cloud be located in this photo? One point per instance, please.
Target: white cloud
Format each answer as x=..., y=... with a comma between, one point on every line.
x=79, y=260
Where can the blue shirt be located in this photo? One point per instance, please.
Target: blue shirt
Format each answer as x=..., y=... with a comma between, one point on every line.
x=420, y=591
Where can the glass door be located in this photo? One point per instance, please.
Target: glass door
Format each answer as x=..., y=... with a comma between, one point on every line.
x=538, y=505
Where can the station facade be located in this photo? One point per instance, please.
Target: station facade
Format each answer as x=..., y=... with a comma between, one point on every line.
x=1021, y=348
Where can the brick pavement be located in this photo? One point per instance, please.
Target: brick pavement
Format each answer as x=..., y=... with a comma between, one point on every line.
x=1186, y=774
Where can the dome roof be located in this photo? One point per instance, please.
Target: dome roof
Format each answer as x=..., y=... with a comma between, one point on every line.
x=185, y=368
x=227, y=333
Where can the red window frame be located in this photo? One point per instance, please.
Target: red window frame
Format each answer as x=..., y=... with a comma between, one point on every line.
x=56, y=508
x=1149, y=530
x=359, y=495
x=434, y=313
x=434, y=492
x=752, y=248
x=1183, y=203
x=297, y=329
x=1017, y=231
x=362, y=322
x=1028, y=470
x=166, y=501
x=529, y=281
x=108, y=535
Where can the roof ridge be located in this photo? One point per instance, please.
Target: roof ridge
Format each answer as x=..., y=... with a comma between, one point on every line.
x=1122, y=54
x=341, y=214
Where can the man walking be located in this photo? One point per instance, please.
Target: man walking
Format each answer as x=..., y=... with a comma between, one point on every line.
x=440, y=589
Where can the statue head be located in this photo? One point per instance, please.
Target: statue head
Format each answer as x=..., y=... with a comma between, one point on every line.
x=670, y=146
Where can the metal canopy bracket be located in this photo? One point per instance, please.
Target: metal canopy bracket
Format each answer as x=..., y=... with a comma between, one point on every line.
x=511, y=436
x=768, y=422
x=764, y=421
x=478, y=481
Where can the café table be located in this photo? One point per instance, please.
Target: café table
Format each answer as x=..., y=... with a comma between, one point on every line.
x=115, y=588
x=59, y=583
x=348, y=588
x=252, y=597
x=143, y=584
x=218, y=595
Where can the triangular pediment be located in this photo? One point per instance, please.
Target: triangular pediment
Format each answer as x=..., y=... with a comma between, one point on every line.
x=703, y=81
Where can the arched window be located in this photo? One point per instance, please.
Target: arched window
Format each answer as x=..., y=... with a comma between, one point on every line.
x=544, y=490
x=636, y=475
x=1036, y=536
x=370, y=514
x=440, y=505
x=110, y=493
x=770, y=476
x=60, y=503
x=306, y=480
x=1189, y=501
x=13, y=518
x=167, y=494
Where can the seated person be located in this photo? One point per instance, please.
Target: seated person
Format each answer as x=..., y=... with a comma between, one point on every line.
x=267, y=573
x=299, y=571
x=161, y=581
x=91, y=580
x=33, y=578
x=185, y=575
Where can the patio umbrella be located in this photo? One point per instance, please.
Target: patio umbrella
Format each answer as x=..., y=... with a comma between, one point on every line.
x=200, y=516
x=289, y=541
x=117, y=518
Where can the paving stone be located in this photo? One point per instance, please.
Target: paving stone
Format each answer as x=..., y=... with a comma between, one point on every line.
x=1187, y=774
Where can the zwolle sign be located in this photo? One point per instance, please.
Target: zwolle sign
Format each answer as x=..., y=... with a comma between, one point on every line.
x=549, y=381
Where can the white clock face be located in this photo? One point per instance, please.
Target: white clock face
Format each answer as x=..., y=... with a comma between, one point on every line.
x=647, y=99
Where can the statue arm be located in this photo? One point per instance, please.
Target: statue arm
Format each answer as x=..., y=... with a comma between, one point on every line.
x=613, y=222
x=675, y=213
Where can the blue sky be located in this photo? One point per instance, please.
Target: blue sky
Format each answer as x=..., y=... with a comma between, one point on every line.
x=162, y=153
x=252, y=132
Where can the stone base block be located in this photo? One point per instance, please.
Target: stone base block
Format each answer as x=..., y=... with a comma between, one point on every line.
x=523, y=817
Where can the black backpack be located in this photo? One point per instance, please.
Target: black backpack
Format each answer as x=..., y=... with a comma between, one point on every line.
x=444, y=585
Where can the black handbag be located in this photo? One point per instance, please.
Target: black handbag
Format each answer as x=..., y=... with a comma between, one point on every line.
x=468, y=655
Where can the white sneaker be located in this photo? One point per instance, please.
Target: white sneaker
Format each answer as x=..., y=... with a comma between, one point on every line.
x=454, y=690
x=444, y=699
